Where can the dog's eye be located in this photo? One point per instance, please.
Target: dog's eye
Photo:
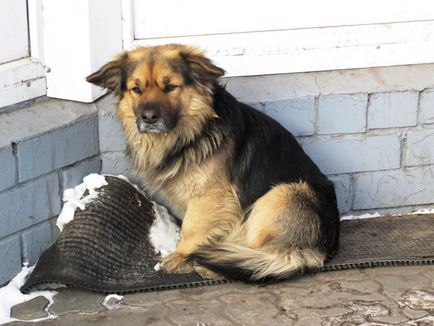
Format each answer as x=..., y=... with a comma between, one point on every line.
x=136, y=90
x=168, y=88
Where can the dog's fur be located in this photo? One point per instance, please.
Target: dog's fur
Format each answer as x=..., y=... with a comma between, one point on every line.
x=254, y=206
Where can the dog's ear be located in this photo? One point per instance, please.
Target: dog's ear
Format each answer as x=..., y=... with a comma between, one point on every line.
x=112, y=75
x=201, y=68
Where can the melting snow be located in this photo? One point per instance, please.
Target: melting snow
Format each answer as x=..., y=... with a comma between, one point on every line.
x=164, y=232
x=376, y=214
x=10, y=295
x=112, y=301
x=73, y=198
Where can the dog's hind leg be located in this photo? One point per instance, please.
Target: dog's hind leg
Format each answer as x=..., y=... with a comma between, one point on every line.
x=286, y=220
x=282, y=236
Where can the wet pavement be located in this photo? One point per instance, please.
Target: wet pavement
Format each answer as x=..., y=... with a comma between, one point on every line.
x=374, y=296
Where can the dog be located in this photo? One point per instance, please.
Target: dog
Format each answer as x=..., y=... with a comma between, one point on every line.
x=253, y=205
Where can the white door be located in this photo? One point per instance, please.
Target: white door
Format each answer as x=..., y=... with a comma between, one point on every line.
x=21, y=78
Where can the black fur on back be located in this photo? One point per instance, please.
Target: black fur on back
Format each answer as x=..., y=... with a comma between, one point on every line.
x=266, y=154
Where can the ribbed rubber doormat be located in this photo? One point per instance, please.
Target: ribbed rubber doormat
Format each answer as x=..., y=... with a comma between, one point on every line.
x=106, y=247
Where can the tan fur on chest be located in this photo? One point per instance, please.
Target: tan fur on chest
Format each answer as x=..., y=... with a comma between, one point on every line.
x=185, y=179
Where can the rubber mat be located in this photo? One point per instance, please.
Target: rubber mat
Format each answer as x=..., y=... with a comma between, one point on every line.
x=106, y=247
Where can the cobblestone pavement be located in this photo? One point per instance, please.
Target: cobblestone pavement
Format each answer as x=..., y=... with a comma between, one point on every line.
x=377, y=296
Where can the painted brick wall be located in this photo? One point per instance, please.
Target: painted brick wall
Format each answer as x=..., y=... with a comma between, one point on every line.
x=44, y=149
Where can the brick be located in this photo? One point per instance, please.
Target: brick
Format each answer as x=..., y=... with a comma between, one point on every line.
x=73, y=175
x=10, y=258
x=106, y=105
x=410, y=186
x=29, y=204
x=8, y=168
x=340, y=114
x=295, y=114
x=57, y=149
x=118, y=163
x=343, y=190
x=393, y=109
x=346, y=154
x=36, y=239
x=426, y=106
x=419, y=149
x=111, y=134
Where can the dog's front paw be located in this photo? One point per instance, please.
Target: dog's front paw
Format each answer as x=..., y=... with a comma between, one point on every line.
x=207, y=273
x=176, y=263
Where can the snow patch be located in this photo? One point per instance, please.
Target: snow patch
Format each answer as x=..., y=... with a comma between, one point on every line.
x=10, y=296
x=157, y=267
x=112, y=301
x=164, y=232
x=362, y=216
x=377, y=214
x=73, y=198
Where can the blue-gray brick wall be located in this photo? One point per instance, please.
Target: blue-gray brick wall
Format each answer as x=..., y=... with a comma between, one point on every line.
x=44, y=149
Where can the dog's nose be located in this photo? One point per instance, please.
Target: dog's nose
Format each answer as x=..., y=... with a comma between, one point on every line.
x=150, y=116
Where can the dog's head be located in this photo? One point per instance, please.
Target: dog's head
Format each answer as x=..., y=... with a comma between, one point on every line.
x=162, y=86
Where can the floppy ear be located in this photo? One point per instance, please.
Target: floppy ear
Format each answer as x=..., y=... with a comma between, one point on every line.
x=200, y=67
x=112, y=75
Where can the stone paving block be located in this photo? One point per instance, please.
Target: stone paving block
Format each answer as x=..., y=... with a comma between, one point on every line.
x=29, y=204
x=426, y=106
x=343, y=190
x=353, y=153
x=73, y=175
x=73, y=300
x=8, y=168
x=392, y=109
x=199, y=313
x=410, y=186
x=10, y=258
x=36, y=239
x=396, y=286
x=419, y=149
x=31, y=309
x=295, y=114
x=342, y=114
x=56, y=149
x=259, y=307
x=119, y=317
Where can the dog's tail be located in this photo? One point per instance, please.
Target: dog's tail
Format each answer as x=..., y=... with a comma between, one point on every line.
x=238, y=262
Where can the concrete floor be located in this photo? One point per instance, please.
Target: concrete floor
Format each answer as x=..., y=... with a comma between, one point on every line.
x=376, y=296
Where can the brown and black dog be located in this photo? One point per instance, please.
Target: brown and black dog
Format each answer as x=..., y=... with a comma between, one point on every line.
x=253, y=205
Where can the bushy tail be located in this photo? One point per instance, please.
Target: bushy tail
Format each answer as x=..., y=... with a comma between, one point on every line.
x=237, y=262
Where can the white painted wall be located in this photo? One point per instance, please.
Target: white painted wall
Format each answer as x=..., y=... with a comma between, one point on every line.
x=171, y=18
x=79, y=36
x=277, y=36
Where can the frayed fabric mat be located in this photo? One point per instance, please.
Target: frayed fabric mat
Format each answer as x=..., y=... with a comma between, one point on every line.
x=106, y=247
